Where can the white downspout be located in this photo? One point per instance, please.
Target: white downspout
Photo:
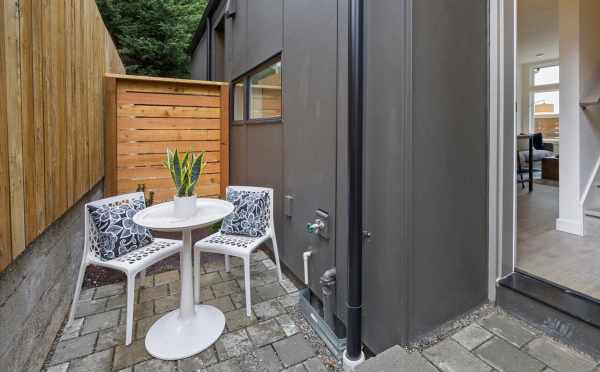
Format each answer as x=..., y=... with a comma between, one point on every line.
x=305, y=257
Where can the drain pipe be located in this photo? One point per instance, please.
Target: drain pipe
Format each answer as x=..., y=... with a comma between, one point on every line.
x=305, y=256
x=328, y=295
x=353, y=355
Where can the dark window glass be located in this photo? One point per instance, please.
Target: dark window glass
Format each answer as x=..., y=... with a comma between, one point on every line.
x=265, y=92
x=238, y=101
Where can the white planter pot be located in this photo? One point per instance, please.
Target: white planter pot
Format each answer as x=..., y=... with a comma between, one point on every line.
x=185, y=206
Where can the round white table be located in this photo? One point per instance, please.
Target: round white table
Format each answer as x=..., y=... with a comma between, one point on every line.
x=191, y=328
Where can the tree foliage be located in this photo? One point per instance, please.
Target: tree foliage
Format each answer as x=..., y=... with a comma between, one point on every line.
x=153, y=36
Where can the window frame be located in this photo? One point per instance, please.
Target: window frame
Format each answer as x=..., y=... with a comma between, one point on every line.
x=540, y=89
x=245, y=78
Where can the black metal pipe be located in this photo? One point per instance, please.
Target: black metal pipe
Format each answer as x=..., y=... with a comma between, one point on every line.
x=355, y=155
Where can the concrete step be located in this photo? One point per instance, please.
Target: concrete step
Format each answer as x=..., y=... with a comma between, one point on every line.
x=555, y=323
x=396, y=359
x=592, y=212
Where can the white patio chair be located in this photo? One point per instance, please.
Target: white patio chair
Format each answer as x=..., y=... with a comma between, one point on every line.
x=238, y=246
x=131, y=263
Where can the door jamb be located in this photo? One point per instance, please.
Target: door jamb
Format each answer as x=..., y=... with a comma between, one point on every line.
x=497, y=142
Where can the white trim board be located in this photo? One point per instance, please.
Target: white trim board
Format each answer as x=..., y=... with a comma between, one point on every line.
x=569, y=226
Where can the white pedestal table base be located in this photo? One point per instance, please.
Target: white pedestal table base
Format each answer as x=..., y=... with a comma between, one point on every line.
x=173, y=338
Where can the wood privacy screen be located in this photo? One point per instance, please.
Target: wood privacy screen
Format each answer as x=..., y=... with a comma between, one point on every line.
x=53, y=56
x=145, y=116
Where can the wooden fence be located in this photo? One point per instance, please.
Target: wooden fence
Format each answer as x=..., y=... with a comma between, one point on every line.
x=53, y=56
x=145, y=116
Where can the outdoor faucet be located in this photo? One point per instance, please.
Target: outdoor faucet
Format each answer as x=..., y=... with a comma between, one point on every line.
x=315, y=227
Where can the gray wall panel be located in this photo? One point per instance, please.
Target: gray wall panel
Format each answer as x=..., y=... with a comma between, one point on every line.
x=237, y=41
x=198, y=64
x=238, y=155
x=218, y=72
x=341, y=227
x=450, y=160
x=387, y=173
x=265, y=164
x=309, y=107
x=265, y=30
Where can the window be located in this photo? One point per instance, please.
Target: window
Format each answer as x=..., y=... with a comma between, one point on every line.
x=257, y=96
x=238, y=101
x=545, y=101
x=546, y=75
x=265, y=93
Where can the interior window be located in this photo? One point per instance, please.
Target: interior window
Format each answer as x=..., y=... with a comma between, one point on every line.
x=238, y=101
x=265, y=92
x=546, y=75
x=546, y=113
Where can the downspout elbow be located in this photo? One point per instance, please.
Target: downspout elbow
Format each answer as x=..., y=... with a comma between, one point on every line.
x=305, y=256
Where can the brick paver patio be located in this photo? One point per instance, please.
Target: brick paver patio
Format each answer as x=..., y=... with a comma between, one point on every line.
x=277, y=338
x=496, y=342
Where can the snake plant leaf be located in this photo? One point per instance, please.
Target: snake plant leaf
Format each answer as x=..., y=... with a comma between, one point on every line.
x=177, y=171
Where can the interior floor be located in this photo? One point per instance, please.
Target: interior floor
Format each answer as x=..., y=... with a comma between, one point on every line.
x=568, y=260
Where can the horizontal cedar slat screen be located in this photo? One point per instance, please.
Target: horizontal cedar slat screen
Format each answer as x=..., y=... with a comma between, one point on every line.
x=149, y=115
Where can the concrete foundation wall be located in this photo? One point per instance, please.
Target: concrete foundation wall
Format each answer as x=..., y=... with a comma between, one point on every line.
x=36, y=290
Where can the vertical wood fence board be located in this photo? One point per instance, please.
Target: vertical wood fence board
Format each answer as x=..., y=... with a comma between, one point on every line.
x=153, y=114
x=27, y=113
x=36, y=181
x=69, y=106
x=110, y=139
x=54, y=54
x=15, y=128
x=224, y=139
x=5, y=228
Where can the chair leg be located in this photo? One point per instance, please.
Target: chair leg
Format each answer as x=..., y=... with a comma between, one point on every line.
x=227, y=264
x=80, y=277
x=247, y=286
x=130, y=303
x=197, y=298
x=142, y=277
x=276, y=253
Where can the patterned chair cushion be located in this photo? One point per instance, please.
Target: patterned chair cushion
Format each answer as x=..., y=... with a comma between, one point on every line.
x=119, y=235
x=251, y=214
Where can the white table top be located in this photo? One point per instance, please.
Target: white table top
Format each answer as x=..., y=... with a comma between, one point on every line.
x=161, y=217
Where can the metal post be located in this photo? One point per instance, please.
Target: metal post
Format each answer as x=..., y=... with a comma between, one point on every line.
x=353, y=354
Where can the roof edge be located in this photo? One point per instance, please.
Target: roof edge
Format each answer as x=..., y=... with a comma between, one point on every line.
x=208, y=11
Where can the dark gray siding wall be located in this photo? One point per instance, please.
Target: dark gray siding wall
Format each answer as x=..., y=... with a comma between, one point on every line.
x=310, y=114
x=216, y=17
x=450, y=160
x=265, y=31
x=341, y=222
x=426, y=166
x=236, y=33
x=388, y=151
x=253, y=36
x=198, y=66
x=426, y=149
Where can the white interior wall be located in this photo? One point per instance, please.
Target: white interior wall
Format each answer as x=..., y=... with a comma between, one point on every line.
x=579, y=22
x=589, y=77
x=570, y=214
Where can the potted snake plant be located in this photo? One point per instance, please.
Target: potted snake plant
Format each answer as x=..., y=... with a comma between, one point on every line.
x=185, y=170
